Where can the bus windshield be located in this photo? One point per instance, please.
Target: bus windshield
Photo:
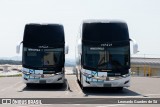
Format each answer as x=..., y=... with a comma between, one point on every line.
x=42, y=57
x=106, y=58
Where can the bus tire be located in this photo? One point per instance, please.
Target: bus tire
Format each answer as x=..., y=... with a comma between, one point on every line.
x=60, y=84
x=81, y=84
x=119, y=88
x=29, y=85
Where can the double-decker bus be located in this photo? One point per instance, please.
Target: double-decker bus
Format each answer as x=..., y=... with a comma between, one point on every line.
x=43, y=54
x=103, y=54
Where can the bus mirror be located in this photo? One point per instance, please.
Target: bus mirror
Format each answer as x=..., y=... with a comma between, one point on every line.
x=135, y=46
x=18, y=49
x=77, y=60
x=79, y=47
x=66, y=49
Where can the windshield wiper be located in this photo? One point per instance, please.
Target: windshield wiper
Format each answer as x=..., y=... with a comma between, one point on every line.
x=107, y=66
x=101, y=64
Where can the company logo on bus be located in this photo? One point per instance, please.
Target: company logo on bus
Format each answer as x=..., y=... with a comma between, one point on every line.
x=30, y=49
x=96, y=48
x=106, y=44
x=43, y=46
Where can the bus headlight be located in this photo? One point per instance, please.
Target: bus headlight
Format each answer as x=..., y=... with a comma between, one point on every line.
x=89, y=75
x=59, y=73
x=26, y=73
x=126, y=75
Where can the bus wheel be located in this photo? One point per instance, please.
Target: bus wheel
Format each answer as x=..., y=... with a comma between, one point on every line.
x=119, y=88
x=83, y=88
x=60, y=84
x=29, y=85
x=81, y=84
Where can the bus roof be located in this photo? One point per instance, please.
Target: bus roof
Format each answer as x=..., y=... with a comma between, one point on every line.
x=102, y=21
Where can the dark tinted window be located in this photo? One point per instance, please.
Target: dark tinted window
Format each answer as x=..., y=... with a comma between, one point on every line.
x=43, y=34
x=43, y=57
x=102, y=32
x=106, y=58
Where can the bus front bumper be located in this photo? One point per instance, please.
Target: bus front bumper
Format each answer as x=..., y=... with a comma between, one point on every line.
x=45, y=79
x=121, y=82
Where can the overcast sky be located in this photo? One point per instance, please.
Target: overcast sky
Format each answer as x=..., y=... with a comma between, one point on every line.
x=142, y=17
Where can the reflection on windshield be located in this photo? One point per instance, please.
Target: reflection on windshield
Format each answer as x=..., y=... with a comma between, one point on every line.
x=109, y=58
x=51, y=58
x=42, y=57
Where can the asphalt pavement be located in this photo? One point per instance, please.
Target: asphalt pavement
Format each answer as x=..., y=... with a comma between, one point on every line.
x=141, y=87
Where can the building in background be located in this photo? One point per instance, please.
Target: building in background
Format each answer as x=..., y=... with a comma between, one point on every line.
x=145, y=66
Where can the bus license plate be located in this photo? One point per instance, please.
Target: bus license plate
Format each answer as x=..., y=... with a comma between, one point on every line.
x=42, y=81
x=98, y=84
x=107, y=85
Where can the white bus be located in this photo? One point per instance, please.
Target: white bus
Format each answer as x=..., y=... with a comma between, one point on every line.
x=43, y=54
x=103, y=54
